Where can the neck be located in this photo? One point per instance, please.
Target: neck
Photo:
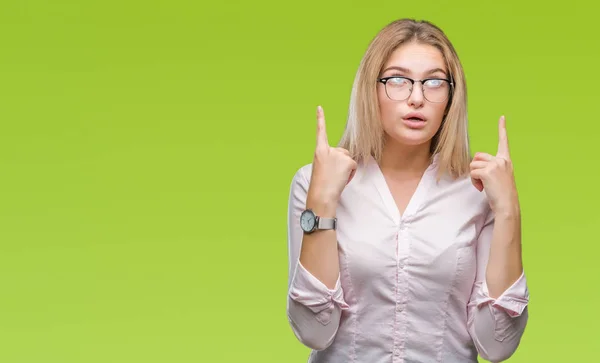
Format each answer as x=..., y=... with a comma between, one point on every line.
x=405, y=159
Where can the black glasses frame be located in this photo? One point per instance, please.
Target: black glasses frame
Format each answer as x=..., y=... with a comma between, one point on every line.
x=384, y=80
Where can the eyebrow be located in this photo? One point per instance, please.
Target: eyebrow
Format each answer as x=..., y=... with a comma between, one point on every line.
x=402, y=69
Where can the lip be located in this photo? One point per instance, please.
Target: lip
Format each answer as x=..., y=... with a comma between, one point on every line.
x=414, y=124
x=415, y=114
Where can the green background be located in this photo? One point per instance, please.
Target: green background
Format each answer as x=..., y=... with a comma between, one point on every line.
x=147, y=149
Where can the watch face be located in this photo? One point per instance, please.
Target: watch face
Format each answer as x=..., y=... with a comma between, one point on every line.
x=307, y=221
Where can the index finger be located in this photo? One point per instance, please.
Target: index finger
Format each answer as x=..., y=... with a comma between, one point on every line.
x=502, y=138
x=321, y=130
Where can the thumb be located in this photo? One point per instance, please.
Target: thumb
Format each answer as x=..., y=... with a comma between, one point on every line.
x=477, y=183
x=352, y=172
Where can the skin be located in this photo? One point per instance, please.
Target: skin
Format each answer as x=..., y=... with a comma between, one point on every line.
x=405, y=157
x=494, y=173
x=406, y=154
x=417, y=61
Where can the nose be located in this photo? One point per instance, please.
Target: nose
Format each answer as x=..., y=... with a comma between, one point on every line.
x=416, y=97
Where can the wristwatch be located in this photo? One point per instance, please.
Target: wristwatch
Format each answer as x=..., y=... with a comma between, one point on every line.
x=310, y=222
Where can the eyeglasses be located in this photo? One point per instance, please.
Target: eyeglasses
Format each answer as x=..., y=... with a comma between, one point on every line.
x=435, y=90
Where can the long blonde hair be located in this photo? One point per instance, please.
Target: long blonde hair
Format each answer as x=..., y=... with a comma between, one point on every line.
x=363, y=136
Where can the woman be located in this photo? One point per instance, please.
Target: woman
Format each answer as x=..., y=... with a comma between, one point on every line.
x=403, y=248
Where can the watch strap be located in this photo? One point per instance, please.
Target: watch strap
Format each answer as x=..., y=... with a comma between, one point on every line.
x=327, y=223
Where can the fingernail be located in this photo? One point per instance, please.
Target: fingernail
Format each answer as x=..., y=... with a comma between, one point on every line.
x=319, y=108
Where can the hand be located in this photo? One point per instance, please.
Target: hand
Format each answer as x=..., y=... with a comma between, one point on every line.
x=332, y=168
x=495, y=174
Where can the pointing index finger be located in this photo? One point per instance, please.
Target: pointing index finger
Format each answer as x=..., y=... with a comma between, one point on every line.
x=321, y=130
x=502, y=138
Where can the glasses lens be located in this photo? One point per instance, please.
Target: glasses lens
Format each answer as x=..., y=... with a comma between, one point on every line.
x=398, y=88
x=436, y=90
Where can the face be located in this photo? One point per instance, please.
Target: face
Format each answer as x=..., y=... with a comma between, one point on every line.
x=416, y=119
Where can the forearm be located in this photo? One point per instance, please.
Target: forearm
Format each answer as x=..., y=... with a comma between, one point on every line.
x=319, y=251
x=495, y=334
x=316, y=299
x=505, y=264
x=315, y=325
x=498, y=308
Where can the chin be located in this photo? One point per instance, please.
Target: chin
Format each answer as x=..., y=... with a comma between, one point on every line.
x=410, y=137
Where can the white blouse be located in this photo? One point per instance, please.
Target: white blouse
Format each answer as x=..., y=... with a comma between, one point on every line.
x=412, y=287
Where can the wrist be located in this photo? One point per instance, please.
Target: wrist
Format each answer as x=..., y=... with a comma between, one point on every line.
x=507, y=206
x=509, y=212
x=322, y=207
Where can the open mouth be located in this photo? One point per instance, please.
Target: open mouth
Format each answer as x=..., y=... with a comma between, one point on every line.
x=414, y=116
x=415, y=120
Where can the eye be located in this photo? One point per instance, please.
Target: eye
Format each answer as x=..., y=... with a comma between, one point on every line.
x=434, y=83
x=398, y=82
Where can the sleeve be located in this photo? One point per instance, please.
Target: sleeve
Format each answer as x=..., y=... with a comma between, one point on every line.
x=496, y=325
x=313, y=310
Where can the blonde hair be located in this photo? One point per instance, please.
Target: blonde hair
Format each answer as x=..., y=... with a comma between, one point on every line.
x=363, y=136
